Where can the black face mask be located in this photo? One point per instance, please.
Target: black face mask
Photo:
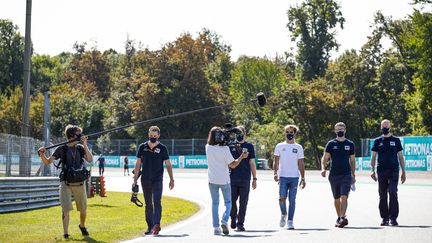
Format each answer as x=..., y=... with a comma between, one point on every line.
x=240, y=137
x=340, y=133
x=385, y=130
x=153, y=140
x=290, y=136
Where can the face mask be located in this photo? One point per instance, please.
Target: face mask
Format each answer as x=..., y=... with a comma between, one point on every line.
x=290, y=136
x=385, y=130
x=340, y=133
x=153, y=140
x=240, y=137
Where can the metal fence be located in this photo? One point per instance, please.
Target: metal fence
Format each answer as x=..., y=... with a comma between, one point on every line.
x=14, y=149
x=128, y=147
x=18, y=156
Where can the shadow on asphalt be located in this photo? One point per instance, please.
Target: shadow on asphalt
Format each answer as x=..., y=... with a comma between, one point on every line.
x=173, y=236
x=311, y=229
x=246, y=236
x=414, y=226
x=260, y=231
x=365, y=227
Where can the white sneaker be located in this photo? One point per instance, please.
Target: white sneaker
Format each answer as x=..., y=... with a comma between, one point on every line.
x=290, y=225
x=283, y=220
x=217, y=231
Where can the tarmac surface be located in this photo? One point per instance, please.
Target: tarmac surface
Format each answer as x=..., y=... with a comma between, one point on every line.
x=314, y=216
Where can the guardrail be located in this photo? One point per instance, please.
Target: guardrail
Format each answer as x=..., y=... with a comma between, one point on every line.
x=25, y=193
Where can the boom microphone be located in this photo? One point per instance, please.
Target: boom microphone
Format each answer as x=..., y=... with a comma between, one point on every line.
x=260, y=99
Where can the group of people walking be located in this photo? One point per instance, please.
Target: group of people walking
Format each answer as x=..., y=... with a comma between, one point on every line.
x=289, y=172
x=232, y=170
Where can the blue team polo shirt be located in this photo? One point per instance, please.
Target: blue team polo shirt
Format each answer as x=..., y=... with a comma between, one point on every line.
x=152, y=161
x=387, y=150
x=243, y=171
x=340, y=153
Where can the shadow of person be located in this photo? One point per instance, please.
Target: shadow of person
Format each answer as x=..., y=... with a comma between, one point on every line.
x=173, y=236
x=414, y=226
x=363, y=227
x=308, y=229
x=257, y=231
x=85, y=239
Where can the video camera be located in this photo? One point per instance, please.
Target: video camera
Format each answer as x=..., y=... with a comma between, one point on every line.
x=228, y=135
x=134, y=197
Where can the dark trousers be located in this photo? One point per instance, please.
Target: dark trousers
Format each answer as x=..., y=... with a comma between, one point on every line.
x=152, y=196
x=387, y=185
x=239, y=189
x=101, y=170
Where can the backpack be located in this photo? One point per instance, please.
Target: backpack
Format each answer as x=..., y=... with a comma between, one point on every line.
x=69, y=173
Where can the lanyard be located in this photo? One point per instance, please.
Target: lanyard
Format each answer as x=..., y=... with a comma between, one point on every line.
x=73, y=154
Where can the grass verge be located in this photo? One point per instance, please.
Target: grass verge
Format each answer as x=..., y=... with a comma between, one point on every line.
x=109, y=219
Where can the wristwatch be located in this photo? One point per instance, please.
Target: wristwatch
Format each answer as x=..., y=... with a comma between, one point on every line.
x=254, y=179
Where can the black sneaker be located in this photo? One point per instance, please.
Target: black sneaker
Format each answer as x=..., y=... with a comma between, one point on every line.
x=343, y=222
x=393, y=222
x=385, y=222
x=148, y=232
x=240, y=228
x=66, y=236
x=84, y=231
x=225, y=229
x=233, y=224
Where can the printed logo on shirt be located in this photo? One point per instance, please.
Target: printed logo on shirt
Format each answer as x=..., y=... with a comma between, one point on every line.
x=233, y=149
x=157, y=150
x=283, y=149
x=347, y=147
x=335, y=147
x=294, y=150
x=392, y=143
x=381, y=144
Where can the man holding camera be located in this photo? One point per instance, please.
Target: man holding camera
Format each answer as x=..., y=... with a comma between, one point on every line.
x=240, y=179
x=288, y=166
x=72, y=157
x=149, y=164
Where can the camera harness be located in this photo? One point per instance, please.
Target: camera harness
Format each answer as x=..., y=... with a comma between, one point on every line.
x=65, y=165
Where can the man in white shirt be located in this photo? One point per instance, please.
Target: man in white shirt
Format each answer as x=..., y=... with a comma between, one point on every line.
x=219, y=158
x=288, y=167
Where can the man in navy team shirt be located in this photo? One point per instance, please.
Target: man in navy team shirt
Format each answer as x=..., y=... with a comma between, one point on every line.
x=150, y=158
x=240, y=180
x=342, y=171
x=389, y=150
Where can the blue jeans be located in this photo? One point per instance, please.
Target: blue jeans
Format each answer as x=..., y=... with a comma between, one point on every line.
x=288, y=187
x=226, y=192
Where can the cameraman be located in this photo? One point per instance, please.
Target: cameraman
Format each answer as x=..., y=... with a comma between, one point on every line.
x=150, y=158
x=72, y=155
x=240, y=179
x=219, y=159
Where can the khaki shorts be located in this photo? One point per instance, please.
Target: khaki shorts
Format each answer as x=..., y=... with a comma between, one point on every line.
x=79, y=193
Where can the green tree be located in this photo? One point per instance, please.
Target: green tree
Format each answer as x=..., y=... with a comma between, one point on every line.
x=312, y=24
x=413, y=40
x=11, y=55
x=46, y=71
x=250, y=76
